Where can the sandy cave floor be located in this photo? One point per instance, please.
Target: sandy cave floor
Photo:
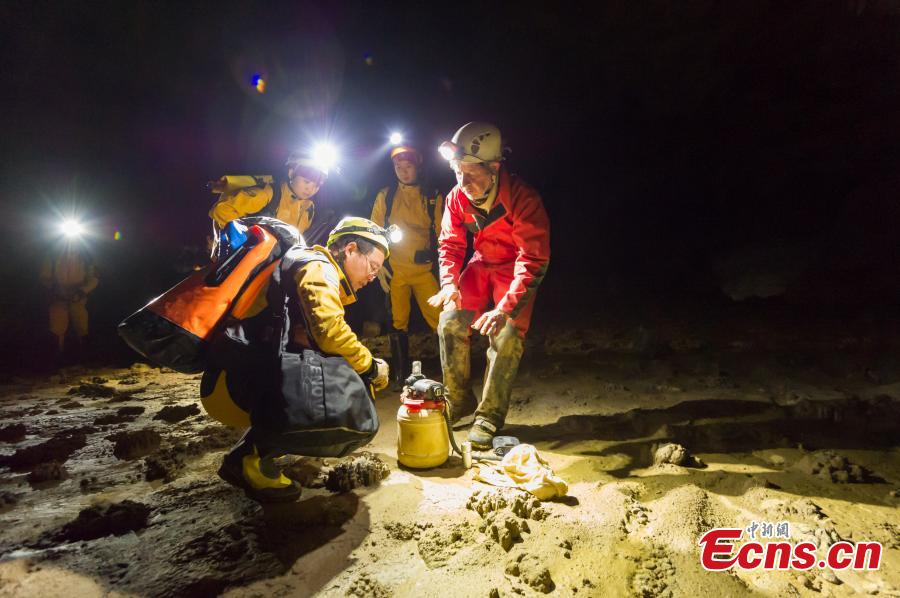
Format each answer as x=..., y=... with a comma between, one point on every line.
x=108, y=486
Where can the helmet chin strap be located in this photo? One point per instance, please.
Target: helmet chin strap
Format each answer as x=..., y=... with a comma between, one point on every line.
x=478, y=202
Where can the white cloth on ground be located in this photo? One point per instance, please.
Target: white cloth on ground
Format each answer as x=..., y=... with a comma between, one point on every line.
x=522, y=467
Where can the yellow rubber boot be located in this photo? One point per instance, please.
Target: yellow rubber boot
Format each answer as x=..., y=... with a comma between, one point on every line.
x=260, y=478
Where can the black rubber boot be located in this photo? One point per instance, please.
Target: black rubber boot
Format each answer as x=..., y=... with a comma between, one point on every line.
x=400, y=365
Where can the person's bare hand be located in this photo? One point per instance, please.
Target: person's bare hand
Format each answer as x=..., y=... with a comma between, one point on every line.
x=490, y=322
x=448, y=294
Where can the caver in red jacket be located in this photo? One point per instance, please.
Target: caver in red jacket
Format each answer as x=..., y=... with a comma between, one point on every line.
x=512, y=249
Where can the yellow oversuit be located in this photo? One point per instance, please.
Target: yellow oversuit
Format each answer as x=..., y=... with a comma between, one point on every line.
x=70, y=276
x=410, y=211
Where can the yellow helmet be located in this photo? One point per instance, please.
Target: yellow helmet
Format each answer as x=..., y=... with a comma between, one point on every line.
x=362, y=227
x=406, y=152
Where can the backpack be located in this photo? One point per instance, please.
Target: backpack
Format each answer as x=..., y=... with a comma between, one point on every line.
x=231, y=184
x=301, y=403
x=174, y=330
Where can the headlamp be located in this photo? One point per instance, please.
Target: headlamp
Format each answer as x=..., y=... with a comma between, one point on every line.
x=325, y=156
x=71, y=228
x=450, y=151
x=396, y=138
x=394, y=233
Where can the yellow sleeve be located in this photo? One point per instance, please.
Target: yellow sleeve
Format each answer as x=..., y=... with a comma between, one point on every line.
x=438, y=214
x=320, y=299
x=378, y=215
x=240, y=204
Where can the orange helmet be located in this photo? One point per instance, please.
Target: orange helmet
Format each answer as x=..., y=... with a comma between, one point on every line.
x=406, y=152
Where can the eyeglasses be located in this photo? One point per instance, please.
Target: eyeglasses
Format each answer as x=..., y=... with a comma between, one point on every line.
x=377, y=266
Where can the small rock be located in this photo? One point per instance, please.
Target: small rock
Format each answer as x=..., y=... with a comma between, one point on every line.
x=47, y=472
x=135, y=444
x=13, y=433
x=674, y=454
x=176, y=413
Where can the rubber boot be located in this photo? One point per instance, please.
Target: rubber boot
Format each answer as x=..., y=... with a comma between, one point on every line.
x=259, y=477
x=454, y=330
x=503, y=356
x=400, y=364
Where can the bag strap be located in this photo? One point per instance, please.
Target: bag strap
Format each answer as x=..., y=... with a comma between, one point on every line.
x=271, y=208
x=389, y=194
x=280, y=294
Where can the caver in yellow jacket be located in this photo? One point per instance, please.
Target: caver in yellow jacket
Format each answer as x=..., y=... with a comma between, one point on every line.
x=410, y=211
x=252, y=200
x=322, y=290
x=317, y=299
x=70, y=277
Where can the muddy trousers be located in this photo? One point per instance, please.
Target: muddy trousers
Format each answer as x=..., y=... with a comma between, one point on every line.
x=63, y=313
x=503, y=356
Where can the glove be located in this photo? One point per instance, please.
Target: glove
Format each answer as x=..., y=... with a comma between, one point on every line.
x=447, y=295
x=384, y=279
x=382, y=371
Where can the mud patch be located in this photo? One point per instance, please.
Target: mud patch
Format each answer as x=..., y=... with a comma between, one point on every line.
x=134, y=444
x=69, y=404
x=366, y=585
x=8, y=499
x=653, y=575
x=520, y=503
x=101, y=521
x=176, y=413
x=168, y=462
x=13, y=433
x=403, y=532
x=504, y=528
x=438, y=544
x=59, y=449
x=92, y=390
x=46, y=472
x=834, y=468
x=363, y=470
x=531, y=571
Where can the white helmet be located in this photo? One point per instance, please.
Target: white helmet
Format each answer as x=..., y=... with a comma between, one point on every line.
x=474, y=142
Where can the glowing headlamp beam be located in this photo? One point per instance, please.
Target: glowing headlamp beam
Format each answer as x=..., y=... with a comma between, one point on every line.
x=325, y=156
x=396, y=138
x=448, y=151
x=71, y=228
x=395, y=235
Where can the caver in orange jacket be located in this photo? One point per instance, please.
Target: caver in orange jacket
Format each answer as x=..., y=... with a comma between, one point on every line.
x=516, y=232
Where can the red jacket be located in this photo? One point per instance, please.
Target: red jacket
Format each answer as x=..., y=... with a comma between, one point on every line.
x=515, y=232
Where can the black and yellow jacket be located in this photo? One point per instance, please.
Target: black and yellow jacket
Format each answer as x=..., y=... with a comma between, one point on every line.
x=317, y=292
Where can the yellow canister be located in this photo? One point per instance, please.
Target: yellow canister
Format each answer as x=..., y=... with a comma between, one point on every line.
x=422, y=440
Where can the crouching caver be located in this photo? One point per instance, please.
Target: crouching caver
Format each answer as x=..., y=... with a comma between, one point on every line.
x=314, y=284
x=511, y=253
